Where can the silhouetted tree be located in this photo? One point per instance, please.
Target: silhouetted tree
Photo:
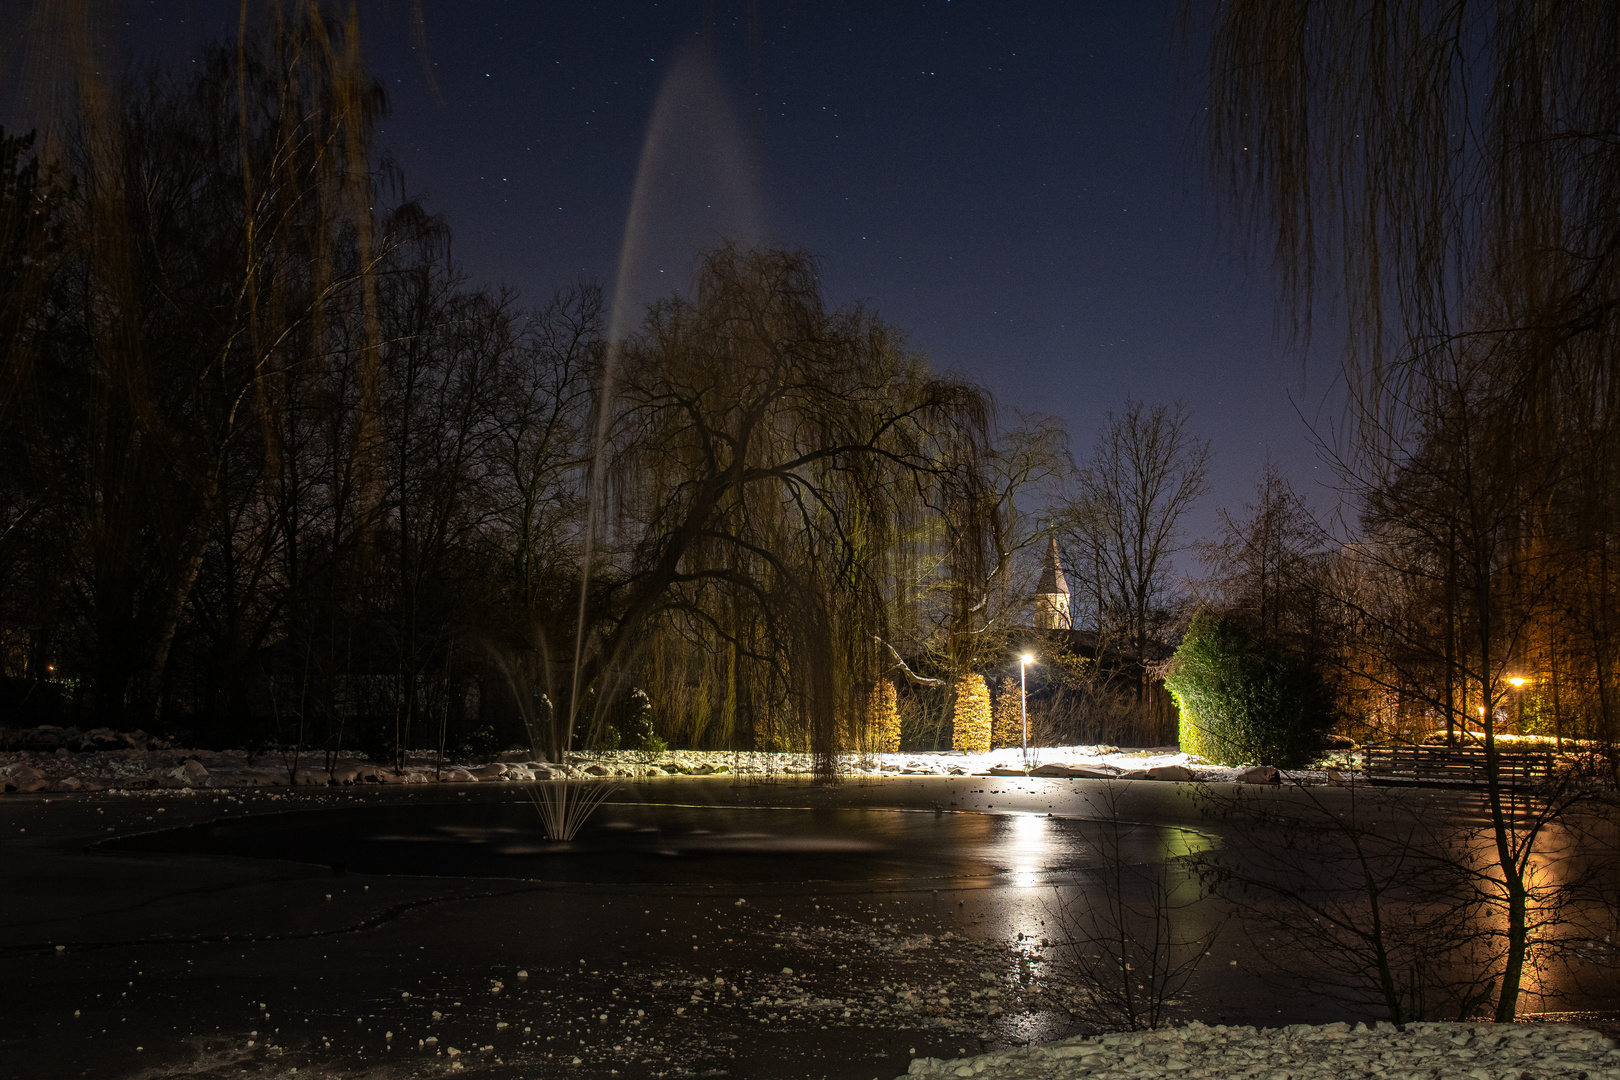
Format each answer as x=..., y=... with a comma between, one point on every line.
x=767, y=459
x=1123, y=524
x=1452, y=174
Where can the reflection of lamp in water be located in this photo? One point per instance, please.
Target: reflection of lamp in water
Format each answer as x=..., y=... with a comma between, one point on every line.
x=1030, y=852
x=1023, y=699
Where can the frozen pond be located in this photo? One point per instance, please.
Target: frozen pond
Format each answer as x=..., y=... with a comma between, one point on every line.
x=640, y=843
x=696, y=926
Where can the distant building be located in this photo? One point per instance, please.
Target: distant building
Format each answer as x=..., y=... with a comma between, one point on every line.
x=1114, y=695
x=1052, y=594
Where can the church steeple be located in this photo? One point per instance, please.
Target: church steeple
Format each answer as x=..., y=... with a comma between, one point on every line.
x=1052, y=594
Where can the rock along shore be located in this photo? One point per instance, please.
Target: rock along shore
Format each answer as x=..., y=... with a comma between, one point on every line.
x=1423, y=1051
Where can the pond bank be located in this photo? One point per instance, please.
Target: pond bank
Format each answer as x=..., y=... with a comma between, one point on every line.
x=1433, y=1051
x=139, y=767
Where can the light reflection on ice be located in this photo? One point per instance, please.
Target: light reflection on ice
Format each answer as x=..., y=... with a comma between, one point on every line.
x=1028, y=849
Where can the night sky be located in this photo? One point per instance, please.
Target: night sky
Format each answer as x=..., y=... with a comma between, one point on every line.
x=1017, y=185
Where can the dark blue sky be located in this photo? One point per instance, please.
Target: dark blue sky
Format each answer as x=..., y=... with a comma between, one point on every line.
x=1018, y=185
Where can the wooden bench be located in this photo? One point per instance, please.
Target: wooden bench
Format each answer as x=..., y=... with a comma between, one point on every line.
x=1454, y=764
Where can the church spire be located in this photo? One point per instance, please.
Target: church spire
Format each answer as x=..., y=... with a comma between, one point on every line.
x=1052, y=594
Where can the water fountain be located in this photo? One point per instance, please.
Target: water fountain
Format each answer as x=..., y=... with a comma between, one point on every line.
x=695, y=187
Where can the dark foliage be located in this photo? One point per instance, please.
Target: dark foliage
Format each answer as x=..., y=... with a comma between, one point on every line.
x=273, y=473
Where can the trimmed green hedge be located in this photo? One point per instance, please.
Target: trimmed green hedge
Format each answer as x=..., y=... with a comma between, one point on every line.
x=1247, y=702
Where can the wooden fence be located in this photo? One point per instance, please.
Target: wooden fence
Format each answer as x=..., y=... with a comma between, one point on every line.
x=1454, y=764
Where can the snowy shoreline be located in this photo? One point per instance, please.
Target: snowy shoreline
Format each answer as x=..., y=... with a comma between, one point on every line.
x=1431, y=1051
x=137, y=767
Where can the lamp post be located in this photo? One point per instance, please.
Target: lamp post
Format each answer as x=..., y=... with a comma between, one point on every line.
x=1023, y=701
x=1517, y=682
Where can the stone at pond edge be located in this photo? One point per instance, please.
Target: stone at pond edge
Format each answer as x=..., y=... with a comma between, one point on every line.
x=1058, y=770
x=1082, y=772
x=1258, y=774
x=25, y=778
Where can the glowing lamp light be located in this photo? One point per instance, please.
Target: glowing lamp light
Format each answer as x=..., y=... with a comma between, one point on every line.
x=1027, y=658
x=1516, y=682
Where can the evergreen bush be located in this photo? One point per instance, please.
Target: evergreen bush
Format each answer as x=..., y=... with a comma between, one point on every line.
x=633, y=720
x=1247, y=701
x=628, y=725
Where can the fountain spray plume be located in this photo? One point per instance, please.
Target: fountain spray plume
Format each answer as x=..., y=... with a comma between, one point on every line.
x=692, y=162
x=694, y=188
x=530, y=684
x=565, y=805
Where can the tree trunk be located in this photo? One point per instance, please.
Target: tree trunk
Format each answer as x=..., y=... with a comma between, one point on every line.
x=174, y=605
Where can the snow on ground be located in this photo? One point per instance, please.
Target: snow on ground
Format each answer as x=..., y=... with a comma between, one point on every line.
x=1431, y=1051
x=143, y=763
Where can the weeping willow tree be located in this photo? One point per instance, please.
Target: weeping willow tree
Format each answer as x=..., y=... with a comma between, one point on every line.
x=770, y=464
x=1449, y=172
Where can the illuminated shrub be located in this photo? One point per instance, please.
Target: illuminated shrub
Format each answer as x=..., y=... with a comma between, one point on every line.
x=1008, y=729
x=970, y=726
x=883, y=718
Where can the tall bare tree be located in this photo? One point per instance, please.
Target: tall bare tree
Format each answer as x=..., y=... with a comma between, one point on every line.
x=1265, y=568
x=1124, y=522
x=945, y=638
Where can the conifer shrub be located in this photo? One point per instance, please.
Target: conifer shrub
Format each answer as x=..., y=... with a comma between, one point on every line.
x=1245, y=700
x=883, y=718
x=628, y=725
x=633, y=720
x=970, y=727
x=1008, y=727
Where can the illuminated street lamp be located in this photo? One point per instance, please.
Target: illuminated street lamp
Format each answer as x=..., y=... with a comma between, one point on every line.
x=1023, y=700
x=1516, y=681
